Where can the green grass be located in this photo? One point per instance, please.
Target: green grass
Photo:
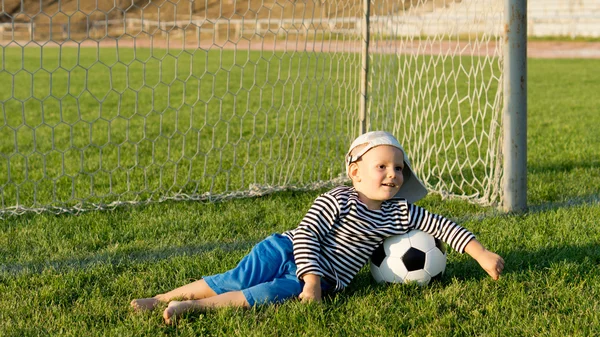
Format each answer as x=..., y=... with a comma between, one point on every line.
x=74, y=275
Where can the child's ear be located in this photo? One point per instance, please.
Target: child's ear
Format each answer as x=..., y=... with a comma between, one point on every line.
x=353, y=172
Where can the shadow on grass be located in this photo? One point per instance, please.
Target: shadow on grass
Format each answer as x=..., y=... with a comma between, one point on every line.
x=556, y=166
x=465, y=269
x=122, y=257
x=490, y=212
x=563, y=184
x=571, y=202
x=581, y=259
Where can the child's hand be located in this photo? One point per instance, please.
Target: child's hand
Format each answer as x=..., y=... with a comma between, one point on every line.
x=491, y=262
x=312, y=289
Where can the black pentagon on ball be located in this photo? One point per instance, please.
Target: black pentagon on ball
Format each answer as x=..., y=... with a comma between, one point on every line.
x=414, y=259
x=378, y=255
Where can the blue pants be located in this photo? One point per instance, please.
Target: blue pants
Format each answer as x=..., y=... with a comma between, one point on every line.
x=266, y=275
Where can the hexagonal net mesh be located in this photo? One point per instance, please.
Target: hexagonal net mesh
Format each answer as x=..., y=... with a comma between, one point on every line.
x=113, y=102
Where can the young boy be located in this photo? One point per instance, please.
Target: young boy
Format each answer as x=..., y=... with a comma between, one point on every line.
x=334, y=240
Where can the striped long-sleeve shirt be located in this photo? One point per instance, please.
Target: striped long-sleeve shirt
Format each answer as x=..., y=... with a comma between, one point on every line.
x=339, y=233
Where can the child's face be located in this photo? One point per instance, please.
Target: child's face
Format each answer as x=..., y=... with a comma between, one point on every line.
x=379, y=175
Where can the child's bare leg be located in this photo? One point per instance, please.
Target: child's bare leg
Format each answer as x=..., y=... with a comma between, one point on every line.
x=192, y=291
x=230, y=299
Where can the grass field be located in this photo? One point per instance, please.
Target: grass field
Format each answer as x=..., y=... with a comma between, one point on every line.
x=75, y=275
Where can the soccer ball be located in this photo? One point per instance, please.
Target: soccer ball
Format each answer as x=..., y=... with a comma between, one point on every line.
x=412, y=257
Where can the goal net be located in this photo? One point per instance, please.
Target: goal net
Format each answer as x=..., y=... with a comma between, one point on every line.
x=112, y=102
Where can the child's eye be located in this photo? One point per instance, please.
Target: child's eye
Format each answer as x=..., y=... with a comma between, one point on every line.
x=398, y=168
x=381, y=166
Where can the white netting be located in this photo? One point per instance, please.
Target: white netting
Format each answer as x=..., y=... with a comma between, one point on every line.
x=113, y=102
x=436, y=82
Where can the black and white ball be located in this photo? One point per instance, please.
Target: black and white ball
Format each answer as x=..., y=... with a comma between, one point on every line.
x=412, y=257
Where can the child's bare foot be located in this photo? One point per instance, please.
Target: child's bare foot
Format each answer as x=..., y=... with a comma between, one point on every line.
x=177, y=308
x=141, y=304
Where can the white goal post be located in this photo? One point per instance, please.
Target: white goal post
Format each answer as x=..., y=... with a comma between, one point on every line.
x=114, y=102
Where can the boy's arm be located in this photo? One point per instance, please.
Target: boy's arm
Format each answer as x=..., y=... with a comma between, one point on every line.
x=440, y=227
x=312, y=288
x=315, y=225
x=491, y=262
